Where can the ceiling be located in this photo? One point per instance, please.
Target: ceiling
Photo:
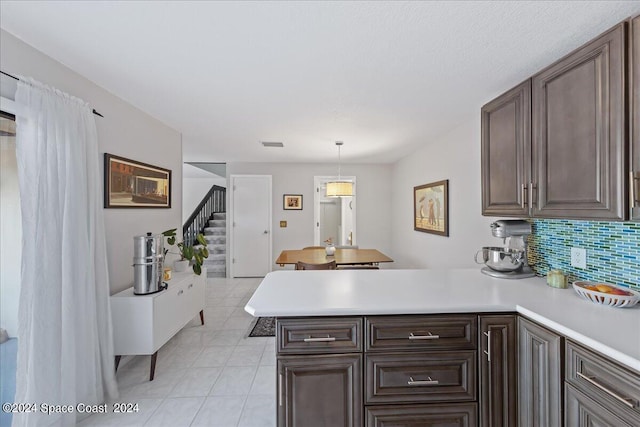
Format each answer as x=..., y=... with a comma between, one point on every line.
x=384, y=77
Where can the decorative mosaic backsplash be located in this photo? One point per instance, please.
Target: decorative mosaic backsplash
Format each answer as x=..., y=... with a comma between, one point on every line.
x=613, y=249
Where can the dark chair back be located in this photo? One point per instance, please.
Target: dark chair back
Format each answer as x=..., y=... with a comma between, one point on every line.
x=326, y=266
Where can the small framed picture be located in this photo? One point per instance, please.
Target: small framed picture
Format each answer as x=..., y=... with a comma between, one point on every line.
x=431, y=208
x=292, y=202
x=133, y=184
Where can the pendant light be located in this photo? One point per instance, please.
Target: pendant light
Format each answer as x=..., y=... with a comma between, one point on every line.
x=339, y=188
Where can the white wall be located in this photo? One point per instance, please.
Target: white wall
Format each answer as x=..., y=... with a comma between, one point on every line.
x=456, y=157
x=373, y=212
x=124, y=131
x=195, y=185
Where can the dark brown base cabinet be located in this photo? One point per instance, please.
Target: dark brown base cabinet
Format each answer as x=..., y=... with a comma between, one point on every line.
x=320, y=390
x=497, y=360
x=441, y=415
x=599, y=392
x=540, y=373
x=453, y=370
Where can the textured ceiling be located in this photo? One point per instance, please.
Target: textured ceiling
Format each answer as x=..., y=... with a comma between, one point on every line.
x=384, y=77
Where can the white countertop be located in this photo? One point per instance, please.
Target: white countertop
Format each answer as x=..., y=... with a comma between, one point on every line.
x=614, y=332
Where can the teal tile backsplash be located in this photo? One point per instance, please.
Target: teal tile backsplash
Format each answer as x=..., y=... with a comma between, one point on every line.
x=613, y=249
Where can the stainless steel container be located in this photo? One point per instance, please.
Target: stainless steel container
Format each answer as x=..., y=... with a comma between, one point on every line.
x=148, y=263
x=501, y=259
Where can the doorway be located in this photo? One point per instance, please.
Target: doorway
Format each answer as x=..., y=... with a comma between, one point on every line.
x=334, y=217
x=250, y=211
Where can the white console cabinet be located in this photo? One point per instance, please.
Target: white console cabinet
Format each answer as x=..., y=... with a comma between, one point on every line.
x=144, y=323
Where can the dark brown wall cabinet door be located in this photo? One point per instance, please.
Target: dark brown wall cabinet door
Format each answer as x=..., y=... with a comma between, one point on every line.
x=634, y=58
x=581, y=411
x=579, y=168
x=506, y=153
x=320, y=391
x=540, y=376
x=498, y=386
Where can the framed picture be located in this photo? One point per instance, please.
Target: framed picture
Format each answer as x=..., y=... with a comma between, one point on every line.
x=292, y=202
x=132, y=184
x=431, y=208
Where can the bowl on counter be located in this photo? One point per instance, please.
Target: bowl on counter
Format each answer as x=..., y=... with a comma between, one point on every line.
x=500, y=259
x=606, y=293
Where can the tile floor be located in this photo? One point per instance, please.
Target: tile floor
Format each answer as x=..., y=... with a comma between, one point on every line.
x=211, y=375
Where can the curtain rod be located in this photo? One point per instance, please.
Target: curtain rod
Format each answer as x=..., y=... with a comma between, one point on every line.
x=16, y=78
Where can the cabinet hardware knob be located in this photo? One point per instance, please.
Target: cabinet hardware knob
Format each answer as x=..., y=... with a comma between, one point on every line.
x=423, y=337
x=626, y=400
x=321, y=339
x=428, y=381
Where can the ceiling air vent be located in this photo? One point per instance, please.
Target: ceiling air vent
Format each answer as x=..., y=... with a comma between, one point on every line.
x=273, y=144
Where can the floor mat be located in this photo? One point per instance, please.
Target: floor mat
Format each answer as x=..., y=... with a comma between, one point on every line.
x=264, y=327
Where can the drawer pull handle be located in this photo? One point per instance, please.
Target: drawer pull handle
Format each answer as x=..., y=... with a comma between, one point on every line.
x=422, y=382
x=280, y=389
x=181, y=292
x=423, y=337
x=626, y=400
x=322, y=339
x=488, y=352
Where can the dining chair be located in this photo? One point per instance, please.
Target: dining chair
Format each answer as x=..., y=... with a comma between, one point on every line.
x=331, y=265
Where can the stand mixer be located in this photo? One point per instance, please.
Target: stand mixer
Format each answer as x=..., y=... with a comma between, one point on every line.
x=510, y=261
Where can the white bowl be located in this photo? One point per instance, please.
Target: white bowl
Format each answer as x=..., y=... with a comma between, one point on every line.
x=604, y=298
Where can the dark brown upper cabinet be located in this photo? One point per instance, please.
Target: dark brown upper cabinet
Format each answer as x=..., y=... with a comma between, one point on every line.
x=556, y=145
x=634, y=84
x=506, y=153
x=579, y=132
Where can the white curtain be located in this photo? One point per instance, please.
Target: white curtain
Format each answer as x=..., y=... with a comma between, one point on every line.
x=65, y=347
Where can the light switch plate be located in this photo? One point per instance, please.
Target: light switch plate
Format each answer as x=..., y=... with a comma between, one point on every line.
x=579, y=257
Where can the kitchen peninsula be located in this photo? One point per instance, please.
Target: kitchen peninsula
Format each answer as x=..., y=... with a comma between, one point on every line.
x=355, y=335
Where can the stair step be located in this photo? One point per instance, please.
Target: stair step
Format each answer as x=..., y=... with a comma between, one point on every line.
x=215, y=231
x=220, y=215
x=217, y=223
x=217, y=249
x=215, y=239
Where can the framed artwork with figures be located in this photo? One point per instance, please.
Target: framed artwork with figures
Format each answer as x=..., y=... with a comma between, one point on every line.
x=431, y=208
x=292, y=202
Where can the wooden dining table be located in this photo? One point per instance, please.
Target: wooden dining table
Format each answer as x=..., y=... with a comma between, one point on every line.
x=342, y=256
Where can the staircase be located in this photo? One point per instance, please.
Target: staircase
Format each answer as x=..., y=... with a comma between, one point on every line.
x=216, y=236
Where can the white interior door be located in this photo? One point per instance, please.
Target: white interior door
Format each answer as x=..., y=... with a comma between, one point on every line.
x=250, y=225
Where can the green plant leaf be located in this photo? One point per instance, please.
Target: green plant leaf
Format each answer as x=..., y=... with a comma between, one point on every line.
x=171, y=240
x=169, y=233
x=205, y=252
x=187, y=252
x=197, y=269
x=200, y=238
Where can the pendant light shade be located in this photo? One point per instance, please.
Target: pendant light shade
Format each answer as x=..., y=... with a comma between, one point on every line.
x=339, y=188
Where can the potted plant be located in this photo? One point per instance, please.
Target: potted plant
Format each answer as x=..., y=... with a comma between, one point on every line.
x=188, y=254
x=330, y=249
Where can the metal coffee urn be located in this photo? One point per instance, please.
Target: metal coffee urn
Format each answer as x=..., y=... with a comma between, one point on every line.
x=148, y=259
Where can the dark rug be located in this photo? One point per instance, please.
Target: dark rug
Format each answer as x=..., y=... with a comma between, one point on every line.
x=264, y=327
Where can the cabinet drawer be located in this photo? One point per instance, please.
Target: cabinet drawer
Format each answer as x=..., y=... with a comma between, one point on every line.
x=447, y=414
x=611, y=385
x=582, y=411
x=420, y=377
x=321, y=335
x=421, y=332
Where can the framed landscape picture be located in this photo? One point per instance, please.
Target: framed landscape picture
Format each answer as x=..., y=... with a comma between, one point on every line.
x=292, y=202
x=132, y=184
x=431, y=208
